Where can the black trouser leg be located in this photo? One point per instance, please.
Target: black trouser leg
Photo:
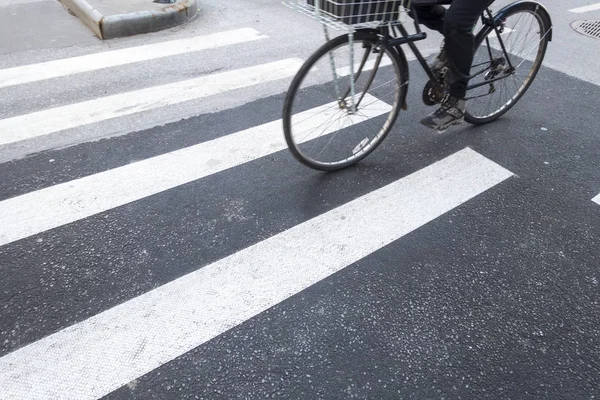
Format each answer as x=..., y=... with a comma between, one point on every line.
x=459, y=22
x=431, y=16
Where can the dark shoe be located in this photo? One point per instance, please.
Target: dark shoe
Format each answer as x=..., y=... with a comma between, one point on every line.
x=452, y=112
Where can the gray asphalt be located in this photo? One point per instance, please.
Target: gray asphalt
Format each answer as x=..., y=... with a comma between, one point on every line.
x=28, y=27
x=496, y=299
x=290, y=35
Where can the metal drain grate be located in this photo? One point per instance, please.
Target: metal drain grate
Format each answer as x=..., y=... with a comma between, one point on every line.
x=589, y=28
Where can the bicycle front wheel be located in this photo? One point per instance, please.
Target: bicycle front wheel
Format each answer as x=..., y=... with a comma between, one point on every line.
x=525, y=33
x=326, y=127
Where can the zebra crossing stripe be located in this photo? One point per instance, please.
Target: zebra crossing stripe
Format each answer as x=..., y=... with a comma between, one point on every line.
x=23, y=216
x=97, y=356
x=584, y=9
x=57, y=68
x=73, y=115
x=4, y=3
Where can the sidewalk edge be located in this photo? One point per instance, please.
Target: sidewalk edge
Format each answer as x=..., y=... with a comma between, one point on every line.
x=87, y=14
x=113, y=26
x=148, y=21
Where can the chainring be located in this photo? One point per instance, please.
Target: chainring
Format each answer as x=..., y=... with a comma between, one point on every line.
x=430, y=96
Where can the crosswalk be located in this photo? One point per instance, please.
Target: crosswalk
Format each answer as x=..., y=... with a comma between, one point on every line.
x=75, y=200
x=128, y=341
x=73, y=115
x=123, y=341
x=89, y=355
x=54, y=118
x=585, y=9
x=92, y=62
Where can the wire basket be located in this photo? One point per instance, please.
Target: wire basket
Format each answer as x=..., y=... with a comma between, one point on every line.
x=345, y=14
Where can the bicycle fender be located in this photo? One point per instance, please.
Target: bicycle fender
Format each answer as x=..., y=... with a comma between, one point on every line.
x=403, y=62
x=528, y=5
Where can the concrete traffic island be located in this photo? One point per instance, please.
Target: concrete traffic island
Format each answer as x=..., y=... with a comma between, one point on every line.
x=116, y=18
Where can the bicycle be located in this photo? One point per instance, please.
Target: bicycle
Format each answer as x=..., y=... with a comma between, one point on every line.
x=365, y=74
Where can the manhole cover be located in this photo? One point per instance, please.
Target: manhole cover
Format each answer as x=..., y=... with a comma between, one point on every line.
x=589, y=28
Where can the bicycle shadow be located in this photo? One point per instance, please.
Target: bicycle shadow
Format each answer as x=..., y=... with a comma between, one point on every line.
x=399, y=156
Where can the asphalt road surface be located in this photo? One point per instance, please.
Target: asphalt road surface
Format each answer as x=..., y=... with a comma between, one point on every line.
x=158, y=240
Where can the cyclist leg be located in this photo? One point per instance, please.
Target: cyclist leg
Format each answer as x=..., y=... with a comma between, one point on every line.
x=459, y=21
x=431, y=16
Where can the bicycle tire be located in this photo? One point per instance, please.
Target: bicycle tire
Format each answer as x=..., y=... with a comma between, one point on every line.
x=366, y=36
x=543, y=18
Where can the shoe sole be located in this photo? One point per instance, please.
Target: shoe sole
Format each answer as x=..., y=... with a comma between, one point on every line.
x=444, y=127
x=454, y=123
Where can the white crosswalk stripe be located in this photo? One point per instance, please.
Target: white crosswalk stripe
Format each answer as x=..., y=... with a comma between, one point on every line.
x=91, y=195
x=70, y=116
x=177, y=317
x=92, y=358
x=584, y=9
x=15, y=2
x=92, y=62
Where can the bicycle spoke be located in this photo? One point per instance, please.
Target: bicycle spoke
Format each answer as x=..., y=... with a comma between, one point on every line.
x=316, y=114
x=382, y=85
x=499, y=97
x=369, y=121
x=517, y=87
x=376, y=99
x=305, y=138
x=489, y=103
x=516, y=79
x=334, y=136
x=520, y=43
x=513, y=30
x=527, y=31
x=531, y=50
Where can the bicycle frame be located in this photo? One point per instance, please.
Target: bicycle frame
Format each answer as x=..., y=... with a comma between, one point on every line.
x=379, y=41
x=404, y=37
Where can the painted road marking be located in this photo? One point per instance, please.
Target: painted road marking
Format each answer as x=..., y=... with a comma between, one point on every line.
x=93, y=62
x=97, y=356
x=584, y=9
x=23, y=216
x=73, y=115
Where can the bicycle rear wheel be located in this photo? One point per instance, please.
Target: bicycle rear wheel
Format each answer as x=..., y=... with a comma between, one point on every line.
x=321, y=128
x=525, y=31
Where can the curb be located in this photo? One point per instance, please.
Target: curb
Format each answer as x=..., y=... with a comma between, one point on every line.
x=113, y=26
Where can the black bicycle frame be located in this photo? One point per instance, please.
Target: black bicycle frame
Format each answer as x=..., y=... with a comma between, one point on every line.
x=409, y=39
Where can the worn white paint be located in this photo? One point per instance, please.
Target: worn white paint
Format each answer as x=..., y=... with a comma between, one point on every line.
x=45, y=209
x=108, y=59
x=584, y=9
x=101, y=354
x=4, y=3
x=118, y=105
